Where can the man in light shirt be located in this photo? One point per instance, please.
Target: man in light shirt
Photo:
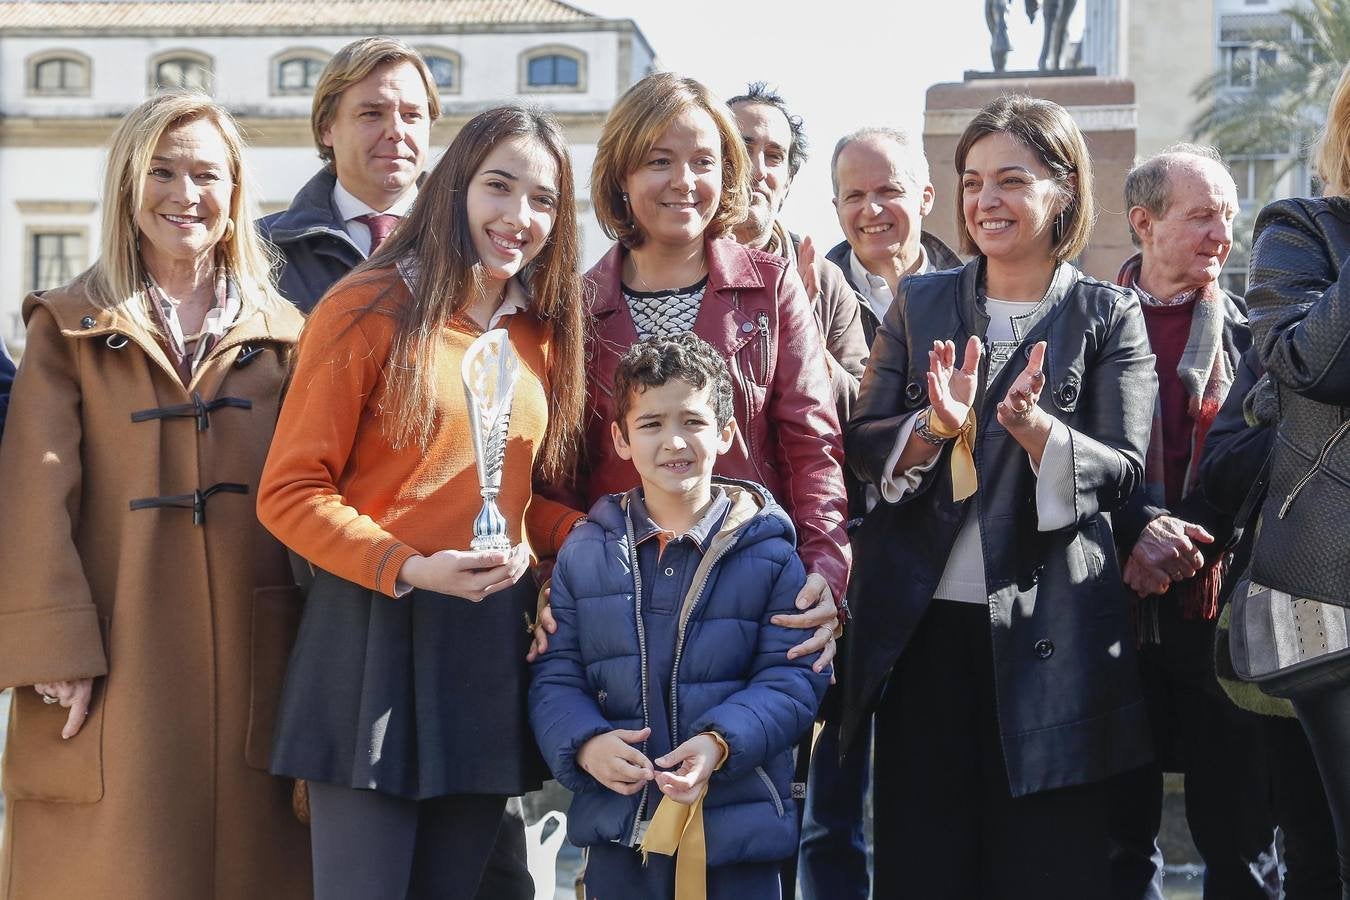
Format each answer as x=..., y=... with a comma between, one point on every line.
x=881, y=194
x=373, y=109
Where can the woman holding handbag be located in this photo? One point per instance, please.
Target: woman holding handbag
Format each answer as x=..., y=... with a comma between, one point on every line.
x=1299, y=300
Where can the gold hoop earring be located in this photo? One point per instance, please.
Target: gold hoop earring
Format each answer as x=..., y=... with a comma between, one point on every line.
x=229, y=232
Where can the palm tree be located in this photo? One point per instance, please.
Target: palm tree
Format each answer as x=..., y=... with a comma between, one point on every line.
x=1275, y=101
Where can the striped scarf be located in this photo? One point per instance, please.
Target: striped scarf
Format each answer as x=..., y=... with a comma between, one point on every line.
x=1207, y=373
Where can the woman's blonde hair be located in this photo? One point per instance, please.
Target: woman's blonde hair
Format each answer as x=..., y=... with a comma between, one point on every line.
x=633, y=126
x=1049, y=132
x=116, y=282
x=1331, y=153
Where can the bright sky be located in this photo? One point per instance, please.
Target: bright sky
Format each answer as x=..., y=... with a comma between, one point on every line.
x=840, y=64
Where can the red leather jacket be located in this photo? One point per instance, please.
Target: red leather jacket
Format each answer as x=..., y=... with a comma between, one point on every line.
x=788, y=438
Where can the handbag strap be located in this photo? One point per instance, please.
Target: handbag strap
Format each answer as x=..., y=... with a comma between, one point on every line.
x=1246, y=513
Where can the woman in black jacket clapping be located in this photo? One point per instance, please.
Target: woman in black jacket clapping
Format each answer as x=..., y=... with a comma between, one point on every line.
x=992, y=634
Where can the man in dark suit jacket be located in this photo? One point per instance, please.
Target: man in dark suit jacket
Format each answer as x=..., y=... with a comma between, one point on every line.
x=373, y=108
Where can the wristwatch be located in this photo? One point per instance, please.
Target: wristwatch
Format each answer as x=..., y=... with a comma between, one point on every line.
x=922, y=429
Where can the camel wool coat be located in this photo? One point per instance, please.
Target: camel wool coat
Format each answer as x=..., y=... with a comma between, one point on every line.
x=183, y=616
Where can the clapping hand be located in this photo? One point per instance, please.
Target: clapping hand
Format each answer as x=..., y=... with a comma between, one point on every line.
x=1019, y=404
x=951, y=390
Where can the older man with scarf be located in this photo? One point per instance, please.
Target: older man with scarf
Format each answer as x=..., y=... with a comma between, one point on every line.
x=1181, y=205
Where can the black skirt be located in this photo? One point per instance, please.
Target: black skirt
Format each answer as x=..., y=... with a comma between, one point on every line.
x=416, y=697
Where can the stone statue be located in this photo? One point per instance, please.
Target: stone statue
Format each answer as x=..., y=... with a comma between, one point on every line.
x=1057, y=13
x=995, y=17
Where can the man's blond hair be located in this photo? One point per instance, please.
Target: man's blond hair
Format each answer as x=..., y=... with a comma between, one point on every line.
x=351, y=65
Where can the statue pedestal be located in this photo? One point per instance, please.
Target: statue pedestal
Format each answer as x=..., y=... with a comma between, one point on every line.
x=1105, y=111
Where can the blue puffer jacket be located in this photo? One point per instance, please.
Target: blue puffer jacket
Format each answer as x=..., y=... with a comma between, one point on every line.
x=732, y=674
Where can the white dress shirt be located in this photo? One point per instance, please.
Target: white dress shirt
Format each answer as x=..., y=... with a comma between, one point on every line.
x=350, y=208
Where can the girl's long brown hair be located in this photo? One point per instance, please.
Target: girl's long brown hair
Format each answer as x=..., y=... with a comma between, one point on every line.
x=435, y=241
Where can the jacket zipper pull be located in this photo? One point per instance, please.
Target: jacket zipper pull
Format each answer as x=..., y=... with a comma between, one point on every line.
x=764, y=345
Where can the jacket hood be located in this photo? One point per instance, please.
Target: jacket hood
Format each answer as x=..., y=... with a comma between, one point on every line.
x=754, y=516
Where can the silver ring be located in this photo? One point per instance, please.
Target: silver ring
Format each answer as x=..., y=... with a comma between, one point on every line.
x=49, y=699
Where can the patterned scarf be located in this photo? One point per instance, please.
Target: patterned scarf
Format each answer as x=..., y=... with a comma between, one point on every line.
x=1207, y=373
x=218, y=320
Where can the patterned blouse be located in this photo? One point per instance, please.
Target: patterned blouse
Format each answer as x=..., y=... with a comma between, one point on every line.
x=663, y=313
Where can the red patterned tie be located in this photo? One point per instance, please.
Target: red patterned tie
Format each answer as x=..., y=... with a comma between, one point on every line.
x=380, y=226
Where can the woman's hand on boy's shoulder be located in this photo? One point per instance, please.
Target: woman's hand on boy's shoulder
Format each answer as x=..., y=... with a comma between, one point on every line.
x=612, y=760
x=820, y=615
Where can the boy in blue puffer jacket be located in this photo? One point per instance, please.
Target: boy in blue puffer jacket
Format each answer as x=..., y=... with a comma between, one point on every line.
x=666, y=678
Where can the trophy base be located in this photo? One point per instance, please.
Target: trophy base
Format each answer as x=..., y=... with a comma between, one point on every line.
x=490, y=542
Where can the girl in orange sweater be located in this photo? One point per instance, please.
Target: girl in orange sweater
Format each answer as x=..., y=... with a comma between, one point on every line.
x=404, y=704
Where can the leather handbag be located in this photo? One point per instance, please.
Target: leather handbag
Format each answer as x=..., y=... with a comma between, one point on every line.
x=1291, y=646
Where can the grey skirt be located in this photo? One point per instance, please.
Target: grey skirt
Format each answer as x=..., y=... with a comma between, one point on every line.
x=415, y=697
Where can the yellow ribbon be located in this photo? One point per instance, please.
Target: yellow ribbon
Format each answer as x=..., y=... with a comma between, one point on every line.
x=679, y=826
x=965, y=481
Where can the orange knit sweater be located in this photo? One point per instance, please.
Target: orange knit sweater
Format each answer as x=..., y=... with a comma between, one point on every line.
x=336, y=492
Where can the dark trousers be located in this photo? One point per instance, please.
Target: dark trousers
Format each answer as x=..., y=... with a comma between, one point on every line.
x=507, y=875
x=832, y=864
x=946, y=824
x=1326, y=720
x=1310, y=869
x=615, y=872
x=1221, y=752
x=371, y=846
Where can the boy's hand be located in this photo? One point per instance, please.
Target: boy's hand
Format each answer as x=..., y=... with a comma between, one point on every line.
x=610, y=760
x=694, y=762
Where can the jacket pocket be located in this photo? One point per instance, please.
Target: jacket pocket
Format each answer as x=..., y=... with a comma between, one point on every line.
x=276, y=619
x=773, y=791
x=39, y=765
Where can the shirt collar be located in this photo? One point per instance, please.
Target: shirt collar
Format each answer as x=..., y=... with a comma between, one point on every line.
x=514, y=300
x=876, y=291
x=350, y=207
x=1149, y=300
x=701, y=533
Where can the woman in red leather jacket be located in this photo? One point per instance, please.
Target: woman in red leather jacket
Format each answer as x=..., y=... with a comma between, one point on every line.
x=670, y=180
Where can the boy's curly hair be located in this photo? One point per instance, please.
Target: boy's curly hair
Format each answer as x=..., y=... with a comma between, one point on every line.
x=653, y=362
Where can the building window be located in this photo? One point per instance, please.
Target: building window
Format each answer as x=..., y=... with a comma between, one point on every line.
x=1247, y=43
x=445, y=68
x=63, y=73
x=55, y=257
x=181, y=69
x=553, y=69
x=1256, y=176
x=297, y=71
